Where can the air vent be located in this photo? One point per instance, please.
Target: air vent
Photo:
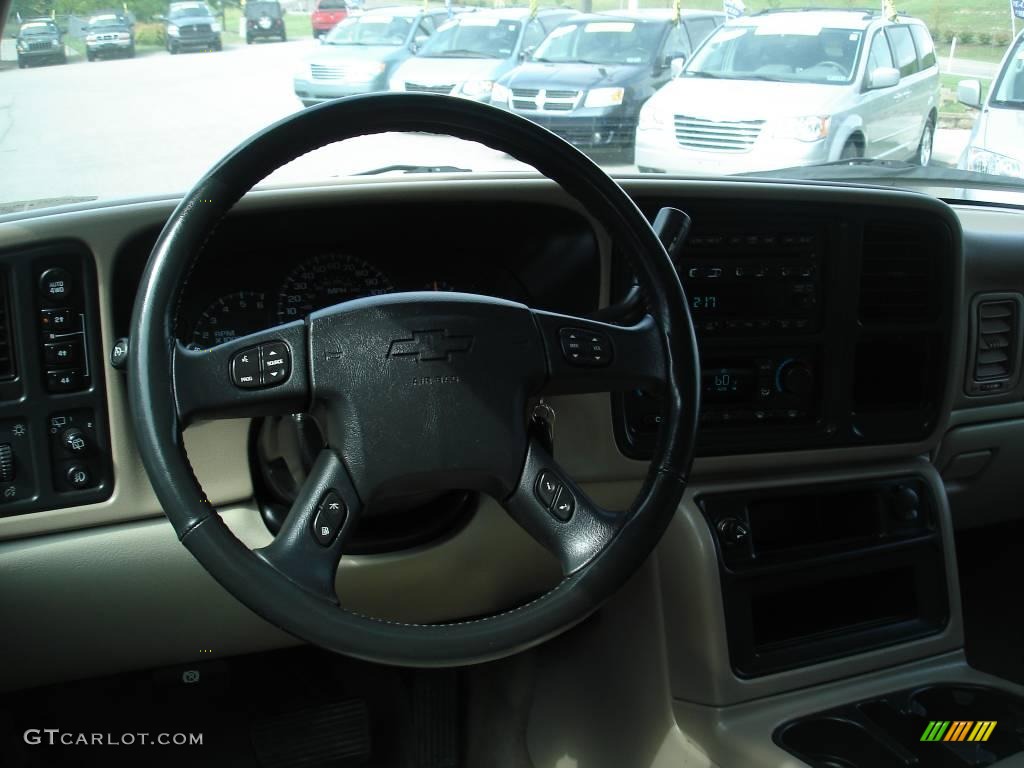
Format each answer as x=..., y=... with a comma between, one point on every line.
x=7, y=368
x=897, y=282
x=995, y=346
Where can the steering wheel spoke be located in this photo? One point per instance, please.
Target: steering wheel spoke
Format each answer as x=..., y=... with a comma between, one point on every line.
x=589, y=356
x=309, y=545
x=261, y=374
x=557, y=513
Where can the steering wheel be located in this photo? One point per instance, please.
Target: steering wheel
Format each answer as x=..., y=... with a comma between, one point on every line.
x=829, y=64
x=422, y=392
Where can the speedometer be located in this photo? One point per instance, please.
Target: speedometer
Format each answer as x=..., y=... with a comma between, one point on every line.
x=326, y=279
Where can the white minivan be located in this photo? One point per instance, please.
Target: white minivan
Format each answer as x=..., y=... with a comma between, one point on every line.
x=794, y=88
x=997, y=141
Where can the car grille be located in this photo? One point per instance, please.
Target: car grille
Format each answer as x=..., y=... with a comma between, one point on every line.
x=194, y=30
x=533, y=100
x=44, y=46
x=328, y=72
x=731, y=136
x=108, y=36
x=444, y=90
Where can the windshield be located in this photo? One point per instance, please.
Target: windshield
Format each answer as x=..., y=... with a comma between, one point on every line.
x=784, y=53
x=37, y=29
x=773, y=90
x=98, y=22
x=474, y=37
x=601, y=42
x=191, y=9
x=371, y=29
x=1009, y=90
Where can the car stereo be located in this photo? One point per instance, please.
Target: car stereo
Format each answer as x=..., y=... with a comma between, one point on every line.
x=753, y=284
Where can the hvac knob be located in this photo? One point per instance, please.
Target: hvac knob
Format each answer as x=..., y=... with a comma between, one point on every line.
x=6, y=463
x=795, y=377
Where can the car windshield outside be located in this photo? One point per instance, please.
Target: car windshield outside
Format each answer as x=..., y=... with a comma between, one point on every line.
x=926, y=98
x=784, y=52
x=186, y=10
x=481, y=37
x=600, y=42
x=1009, y=90
x=36, y=28
x=371, y=29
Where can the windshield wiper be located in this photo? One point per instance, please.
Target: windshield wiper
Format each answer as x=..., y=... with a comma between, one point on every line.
x=414, y=169
x=463, y=53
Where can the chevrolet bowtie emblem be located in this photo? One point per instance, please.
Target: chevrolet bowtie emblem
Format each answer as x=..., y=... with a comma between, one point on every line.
x=430, y=345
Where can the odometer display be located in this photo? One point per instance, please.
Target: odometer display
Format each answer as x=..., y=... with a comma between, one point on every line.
x=230, y=317
x=328, y=279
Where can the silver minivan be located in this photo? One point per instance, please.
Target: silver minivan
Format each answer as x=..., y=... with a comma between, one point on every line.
x=468, y=53
x=997, y=142
x=790, y=88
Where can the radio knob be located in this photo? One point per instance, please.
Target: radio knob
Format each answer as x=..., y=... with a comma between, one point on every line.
x=796, y=377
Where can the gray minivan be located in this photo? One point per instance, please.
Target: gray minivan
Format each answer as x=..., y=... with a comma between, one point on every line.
x=790, y=88
x=472, y=50
x=996, y=144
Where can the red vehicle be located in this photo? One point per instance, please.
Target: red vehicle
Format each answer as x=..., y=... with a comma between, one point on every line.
x=327, y=13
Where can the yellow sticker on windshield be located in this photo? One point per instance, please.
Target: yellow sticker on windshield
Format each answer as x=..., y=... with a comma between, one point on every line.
x=610, y=26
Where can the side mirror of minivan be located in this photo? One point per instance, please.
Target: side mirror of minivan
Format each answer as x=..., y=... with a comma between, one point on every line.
x=883, y=77
x=676, y=66
x=527, y=53
x=968, y=93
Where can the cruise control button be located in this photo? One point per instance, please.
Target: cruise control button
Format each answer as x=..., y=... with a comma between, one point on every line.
x=547, y=488
x=330, y=517
x=277, y=362
x=245, y=368
x=564, y=504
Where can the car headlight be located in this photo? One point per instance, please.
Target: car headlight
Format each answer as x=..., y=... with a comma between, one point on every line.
x=124, y=36
x=55, y=43
x=808, y=128
x=21, y=46
x=366, y=71
x=655, y=114
x=604, y=97
x=984, y=161
x=500, y=95
x=215, y=27
x=90, y=38
x=172, y=30
x=396, y=84
x=478, y=89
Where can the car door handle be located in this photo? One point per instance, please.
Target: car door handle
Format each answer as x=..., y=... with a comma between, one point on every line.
x=902, y=95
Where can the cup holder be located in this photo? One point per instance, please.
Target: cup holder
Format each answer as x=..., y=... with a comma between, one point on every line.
x=835, y=742
x=887, y=731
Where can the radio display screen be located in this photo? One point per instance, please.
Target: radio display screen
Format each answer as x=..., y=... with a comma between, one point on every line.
x=727, y=385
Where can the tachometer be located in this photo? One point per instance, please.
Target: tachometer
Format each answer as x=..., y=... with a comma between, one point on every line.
x=228, y=317
x=327, y=279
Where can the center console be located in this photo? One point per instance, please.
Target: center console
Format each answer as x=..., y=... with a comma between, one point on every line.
x=792, y=358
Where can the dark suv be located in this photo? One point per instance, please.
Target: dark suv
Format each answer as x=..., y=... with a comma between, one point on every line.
x=191, y=25
x=40, y=41
x=263, y=18
x=109, y=34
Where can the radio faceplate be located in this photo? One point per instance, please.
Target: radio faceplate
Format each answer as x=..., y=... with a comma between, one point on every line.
x=753, y=285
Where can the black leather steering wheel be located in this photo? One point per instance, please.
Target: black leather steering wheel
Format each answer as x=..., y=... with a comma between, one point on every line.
x=422, y=391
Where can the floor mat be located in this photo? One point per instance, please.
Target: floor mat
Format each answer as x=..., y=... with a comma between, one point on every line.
x=991, y=569
x=297, y=708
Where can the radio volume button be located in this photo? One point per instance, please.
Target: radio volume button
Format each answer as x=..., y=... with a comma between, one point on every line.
x=796, y=377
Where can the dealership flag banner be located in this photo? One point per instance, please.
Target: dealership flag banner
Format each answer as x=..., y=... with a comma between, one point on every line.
x=735, y=8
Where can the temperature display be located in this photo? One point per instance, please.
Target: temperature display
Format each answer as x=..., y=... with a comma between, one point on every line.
x=727, y=385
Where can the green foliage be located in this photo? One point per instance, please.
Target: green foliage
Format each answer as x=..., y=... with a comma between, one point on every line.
x=150, y=33
x=966, y=37
x=984, y=38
